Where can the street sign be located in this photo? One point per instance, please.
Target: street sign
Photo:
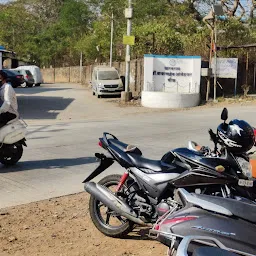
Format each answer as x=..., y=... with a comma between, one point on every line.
x=129, y=40
x=226, y=67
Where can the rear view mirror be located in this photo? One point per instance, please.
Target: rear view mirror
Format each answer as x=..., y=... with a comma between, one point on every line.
x=224, y=114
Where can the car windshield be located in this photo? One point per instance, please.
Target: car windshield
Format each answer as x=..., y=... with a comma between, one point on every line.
x=108, y=75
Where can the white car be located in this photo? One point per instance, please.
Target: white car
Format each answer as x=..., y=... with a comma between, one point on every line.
x=106, y=81
x=35, y=71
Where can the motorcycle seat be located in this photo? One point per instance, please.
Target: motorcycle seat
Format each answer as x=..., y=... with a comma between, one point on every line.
x=154, y=165
x=240, y=209
x=211, y=251
x=125, y=147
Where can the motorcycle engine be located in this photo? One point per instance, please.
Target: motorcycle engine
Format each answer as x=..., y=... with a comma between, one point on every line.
x=162, y=208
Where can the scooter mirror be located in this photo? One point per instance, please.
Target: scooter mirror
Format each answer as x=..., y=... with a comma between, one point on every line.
x=224, y=114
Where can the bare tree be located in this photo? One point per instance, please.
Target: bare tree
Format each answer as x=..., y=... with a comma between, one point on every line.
x=233, y=8
x=253, y=5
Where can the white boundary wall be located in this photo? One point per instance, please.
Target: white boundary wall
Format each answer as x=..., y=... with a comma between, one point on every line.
x=169, y=100
x=171, y=81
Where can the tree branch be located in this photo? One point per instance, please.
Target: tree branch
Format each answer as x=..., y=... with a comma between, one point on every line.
x=252, y=8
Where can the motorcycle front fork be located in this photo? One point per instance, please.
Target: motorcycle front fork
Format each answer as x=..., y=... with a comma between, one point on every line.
x=122, y=181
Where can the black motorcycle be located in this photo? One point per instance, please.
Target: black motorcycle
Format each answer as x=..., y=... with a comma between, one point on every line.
x=206, y=221
x=148, y=188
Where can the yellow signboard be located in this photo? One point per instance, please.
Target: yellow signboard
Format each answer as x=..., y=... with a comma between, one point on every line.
x=130, y=40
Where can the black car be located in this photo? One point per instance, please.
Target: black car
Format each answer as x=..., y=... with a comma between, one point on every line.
x=14, y=78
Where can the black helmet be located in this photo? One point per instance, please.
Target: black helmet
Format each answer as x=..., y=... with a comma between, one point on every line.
x=3, y=74
x=237, y=136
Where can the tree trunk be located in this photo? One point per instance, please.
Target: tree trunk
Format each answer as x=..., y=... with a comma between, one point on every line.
x=252, y=8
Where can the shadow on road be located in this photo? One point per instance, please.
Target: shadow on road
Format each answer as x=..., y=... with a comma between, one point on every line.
x=42, y=107
x=139, y=233
x=35, y=90
x=48, y=164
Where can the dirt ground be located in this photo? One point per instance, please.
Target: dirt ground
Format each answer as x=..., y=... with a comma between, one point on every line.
x=62, y=226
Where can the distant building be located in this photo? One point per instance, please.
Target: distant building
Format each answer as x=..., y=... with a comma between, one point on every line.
x=9, y=59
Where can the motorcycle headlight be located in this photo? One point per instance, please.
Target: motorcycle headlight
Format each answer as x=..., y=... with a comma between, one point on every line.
x=245, y=166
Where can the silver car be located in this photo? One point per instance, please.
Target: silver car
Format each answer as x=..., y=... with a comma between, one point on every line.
x=106, y=81
x=28, y=77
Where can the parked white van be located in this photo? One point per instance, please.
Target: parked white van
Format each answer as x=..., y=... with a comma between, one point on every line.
x=35, y=71
x=106, y=81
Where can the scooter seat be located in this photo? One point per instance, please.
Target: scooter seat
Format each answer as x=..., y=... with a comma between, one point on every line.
x=240, y=209
x=211, y=251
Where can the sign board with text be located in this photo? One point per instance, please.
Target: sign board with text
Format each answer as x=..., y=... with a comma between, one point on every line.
x=177, y=74
x=226, y=67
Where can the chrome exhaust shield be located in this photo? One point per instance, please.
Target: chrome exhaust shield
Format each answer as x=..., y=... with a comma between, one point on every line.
x=105, y=196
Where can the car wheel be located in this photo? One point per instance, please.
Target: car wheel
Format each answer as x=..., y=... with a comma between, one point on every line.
x=23, y=85
x=37, y=84
x=93, y=93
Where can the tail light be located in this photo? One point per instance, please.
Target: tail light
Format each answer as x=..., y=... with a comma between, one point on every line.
x=27, y=76
x=178, y=220
x=157, y=227
x=100, y=144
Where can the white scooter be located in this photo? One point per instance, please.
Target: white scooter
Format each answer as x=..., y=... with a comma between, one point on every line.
x=12, y=140
x=210, y=247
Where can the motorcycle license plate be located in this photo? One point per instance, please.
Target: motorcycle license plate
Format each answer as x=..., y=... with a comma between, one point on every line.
x=245, y=183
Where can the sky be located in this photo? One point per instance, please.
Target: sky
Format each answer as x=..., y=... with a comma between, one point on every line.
x=202, y=7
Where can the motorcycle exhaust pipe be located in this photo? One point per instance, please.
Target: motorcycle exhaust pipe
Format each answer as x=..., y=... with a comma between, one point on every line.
x=105, y=196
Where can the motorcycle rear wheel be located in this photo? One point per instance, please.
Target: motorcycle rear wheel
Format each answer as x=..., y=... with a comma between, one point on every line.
x=104, y=226
x=8, y=158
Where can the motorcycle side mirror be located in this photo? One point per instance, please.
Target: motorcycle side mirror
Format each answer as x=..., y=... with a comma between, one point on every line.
x=224, y=114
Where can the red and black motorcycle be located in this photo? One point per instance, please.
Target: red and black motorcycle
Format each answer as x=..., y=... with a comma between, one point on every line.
x=148, y=187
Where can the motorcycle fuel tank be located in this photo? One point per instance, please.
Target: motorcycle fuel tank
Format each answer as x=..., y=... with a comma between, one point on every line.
x=203, y=169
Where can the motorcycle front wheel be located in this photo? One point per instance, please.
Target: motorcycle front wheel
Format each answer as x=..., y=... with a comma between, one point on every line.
x=11, y=154
x=105, y=220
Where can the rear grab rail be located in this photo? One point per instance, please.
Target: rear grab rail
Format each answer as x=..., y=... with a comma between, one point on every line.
x=105, y=137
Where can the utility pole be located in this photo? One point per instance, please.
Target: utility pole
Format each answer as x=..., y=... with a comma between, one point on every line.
x=111, y=40
x=81, y=66
x=217, y=11
x=215, y=57
x=128, y=15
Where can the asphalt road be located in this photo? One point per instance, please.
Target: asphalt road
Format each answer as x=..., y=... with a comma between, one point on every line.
x=64, y=124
